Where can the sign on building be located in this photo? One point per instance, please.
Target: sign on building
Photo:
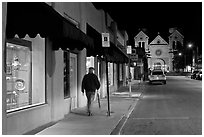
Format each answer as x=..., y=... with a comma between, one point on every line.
x=134, y=57
x=105, y=40
x=129, y=50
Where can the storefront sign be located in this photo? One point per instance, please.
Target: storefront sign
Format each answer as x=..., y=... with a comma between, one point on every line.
x=134, y=57
x=139, y=64
x=129, y=50
x=105, y=40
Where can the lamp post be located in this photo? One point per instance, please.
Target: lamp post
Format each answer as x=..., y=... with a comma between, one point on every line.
x=189, y=46
x=129, y=52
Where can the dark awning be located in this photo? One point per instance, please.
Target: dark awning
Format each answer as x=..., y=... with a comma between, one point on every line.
x=34, y=18
x=113, y=53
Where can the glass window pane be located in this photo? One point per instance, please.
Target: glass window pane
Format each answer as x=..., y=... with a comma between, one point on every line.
x=66, y=75
x=25, y=72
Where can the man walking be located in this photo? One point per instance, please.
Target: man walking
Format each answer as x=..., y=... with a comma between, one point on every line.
x=90, y=83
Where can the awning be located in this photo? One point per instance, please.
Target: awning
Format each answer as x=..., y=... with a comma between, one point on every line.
x=113, y=53
x=34, y=18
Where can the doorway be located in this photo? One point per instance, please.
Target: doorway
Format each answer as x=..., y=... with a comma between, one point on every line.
x=73, y=81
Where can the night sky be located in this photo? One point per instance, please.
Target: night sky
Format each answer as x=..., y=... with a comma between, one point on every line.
x=154, y=17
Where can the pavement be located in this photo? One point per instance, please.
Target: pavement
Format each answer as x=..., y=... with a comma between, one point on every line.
x=77, y=122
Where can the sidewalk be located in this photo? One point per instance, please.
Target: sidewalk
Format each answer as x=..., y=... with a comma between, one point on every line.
x=78, y=123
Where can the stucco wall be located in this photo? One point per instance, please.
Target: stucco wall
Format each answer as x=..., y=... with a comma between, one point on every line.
x=70, y=8
x=164, y=55
x=93, y=16
x=163, y=48
x=23, y=121
x=3, y=94
x=58, y=86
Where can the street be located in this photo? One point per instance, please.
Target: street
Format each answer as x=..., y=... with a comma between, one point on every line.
x=171, y=109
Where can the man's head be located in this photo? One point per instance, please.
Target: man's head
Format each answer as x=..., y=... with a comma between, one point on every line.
x=91, y=70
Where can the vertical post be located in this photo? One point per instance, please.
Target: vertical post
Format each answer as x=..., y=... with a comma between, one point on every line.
x=129, y=52
x=107, y=86
x=185, y=60
x=130, y=90
x=106, y=44
x=3, y=63
x=196, y=57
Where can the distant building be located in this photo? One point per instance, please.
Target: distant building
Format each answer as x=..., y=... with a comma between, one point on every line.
x=160, y=57
x=141, y=43
x=159, y=54
x=176, y=46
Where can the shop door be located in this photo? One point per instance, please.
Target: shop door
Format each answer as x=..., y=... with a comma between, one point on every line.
x=73, y=80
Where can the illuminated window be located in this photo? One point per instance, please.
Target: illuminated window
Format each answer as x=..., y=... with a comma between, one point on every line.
x=89, y=63
x=141, y=44
x=25, y=72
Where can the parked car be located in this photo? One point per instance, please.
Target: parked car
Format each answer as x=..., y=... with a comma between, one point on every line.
x=199, y=75
x=193, y=75
x=157, y=76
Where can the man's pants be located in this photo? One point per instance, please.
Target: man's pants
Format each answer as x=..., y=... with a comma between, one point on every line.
x=90, y=97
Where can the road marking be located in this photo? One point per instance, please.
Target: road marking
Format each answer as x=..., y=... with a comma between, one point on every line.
x=161, y=118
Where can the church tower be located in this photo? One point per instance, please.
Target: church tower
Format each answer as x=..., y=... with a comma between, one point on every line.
x=176, y=44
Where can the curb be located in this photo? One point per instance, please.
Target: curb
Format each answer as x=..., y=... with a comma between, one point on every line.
x=118, y=128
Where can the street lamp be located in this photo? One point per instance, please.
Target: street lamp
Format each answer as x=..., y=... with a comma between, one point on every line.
x=180, y=54
x=190, y=46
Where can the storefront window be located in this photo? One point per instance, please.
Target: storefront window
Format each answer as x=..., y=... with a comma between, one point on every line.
x=89, y=63
x=25, y=72
x=66, y=75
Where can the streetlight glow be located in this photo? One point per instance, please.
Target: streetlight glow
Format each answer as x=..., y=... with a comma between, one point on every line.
x=190, y=45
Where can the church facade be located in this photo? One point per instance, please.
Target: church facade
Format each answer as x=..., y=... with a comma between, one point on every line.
x=161, y=53
x=160, y=56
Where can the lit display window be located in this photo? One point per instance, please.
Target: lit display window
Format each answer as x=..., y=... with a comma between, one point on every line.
x=24, y=77
x=18, y=75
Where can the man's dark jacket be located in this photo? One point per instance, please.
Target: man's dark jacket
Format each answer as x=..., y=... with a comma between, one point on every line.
x=90, y=83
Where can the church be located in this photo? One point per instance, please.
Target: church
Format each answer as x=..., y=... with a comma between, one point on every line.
x=160, y=54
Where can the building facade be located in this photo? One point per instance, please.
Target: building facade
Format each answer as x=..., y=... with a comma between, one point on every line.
x=176, y=46
x=160, y=57
x=158, y=54
x=43, y=65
